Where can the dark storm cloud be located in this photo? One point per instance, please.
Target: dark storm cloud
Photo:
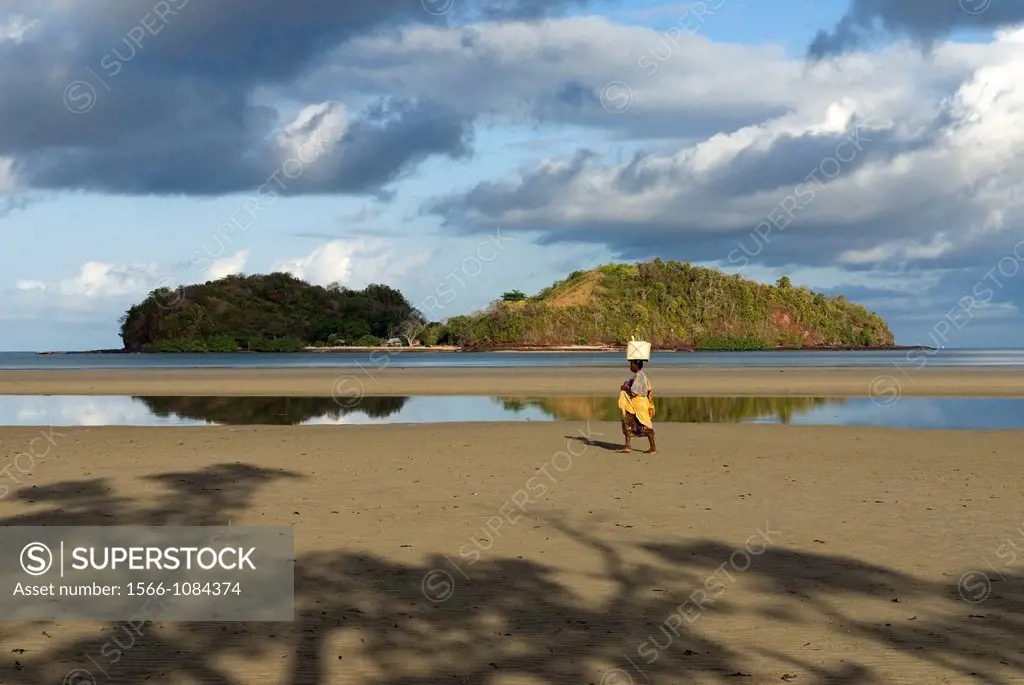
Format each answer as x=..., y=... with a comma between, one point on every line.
x=783, y=203
x=373, y=152
x=990, y=270
x=580, y=104
x=542, y=188
x=143, y=97
x=922, y=20
x=812, y=243
x=523, y=9
x=789, y=160
x=800, y=168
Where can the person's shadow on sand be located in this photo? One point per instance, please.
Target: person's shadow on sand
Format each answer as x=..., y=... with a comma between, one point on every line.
x=610, y=446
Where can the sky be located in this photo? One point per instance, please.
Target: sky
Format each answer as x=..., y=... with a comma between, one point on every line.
x=456, y=149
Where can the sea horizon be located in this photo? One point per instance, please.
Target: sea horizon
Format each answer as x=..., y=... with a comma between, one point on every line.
x=401, y=357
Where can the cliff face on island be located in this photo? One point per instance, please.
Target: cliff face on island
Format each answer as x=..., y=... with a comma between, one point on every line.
x=672, y=305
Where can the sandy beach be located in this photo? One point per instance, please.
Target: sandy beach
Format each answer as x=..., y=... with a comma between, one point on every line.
x=758, y=554
x=885, y=381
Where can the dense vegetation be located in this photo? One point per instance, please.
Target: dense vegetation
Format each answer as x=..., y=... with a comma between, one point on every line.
x=266, y=313
x=672, y=305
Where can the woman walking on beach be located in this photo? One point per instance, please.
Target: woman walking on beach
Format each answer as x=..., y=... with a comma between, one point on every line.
x=636, y=401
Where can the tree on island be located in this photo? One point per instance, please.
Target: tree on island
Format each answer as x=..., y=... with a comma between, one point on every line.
x=513, y=296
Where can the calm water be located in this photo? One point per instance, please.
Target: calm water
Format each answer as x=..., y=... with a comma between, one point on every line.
x=377, y=360
x=908, y=412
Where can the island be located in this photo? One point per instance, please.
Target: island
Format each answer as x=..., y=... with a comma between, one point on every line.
x=271, y=313
x=675, y=306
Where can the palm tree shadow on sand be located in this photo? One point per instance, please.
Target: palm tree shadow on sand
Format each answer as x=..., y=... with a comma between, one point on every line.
x=381, y=622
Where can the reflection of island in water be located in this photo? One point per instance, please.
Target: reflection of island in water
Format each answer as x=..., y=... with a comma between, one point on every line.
x=675, y=409
x=290, y=411
x=287, y=411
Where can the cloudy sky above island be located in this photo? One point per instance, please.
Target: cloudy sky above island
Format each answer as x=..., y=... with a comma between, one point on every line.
x=863, y=147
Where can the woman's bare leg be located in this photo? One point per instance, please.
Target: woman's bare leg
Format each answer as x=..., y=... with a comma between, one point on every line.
x=626, y=435
x=650, y=439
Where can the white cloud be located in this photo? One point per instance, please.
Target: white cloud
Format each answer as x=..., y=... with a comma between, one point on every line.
x=15, y=28
x=751, y=100
x=678, y=85
x=8, y=182
x=99, y=290
x=75, y=312
x=326, y=264
x=901, y=250
x=99, y=279
x=315, y=131
x=353, y=263
x=227, y=266
x=31, y=285
x=922, y=177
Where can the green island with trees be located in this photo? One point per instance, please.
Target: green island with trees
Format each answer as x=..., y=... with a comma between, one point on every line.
x=671, y=304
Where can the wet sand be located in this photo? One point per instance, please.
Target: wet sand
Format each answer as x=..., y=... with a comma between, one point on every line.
x=883, y=382
x=754, y=554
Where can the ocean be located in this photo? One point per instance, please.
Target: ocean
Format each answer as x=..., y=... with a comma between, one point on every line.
x=906, y=359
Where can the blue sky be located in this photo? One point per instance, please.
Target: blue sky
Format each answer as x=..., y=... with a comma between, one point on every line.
x=425, y=135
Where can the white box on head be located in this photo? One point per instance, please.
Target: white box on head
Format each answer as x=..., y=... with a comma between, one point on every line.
x=638, y=350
